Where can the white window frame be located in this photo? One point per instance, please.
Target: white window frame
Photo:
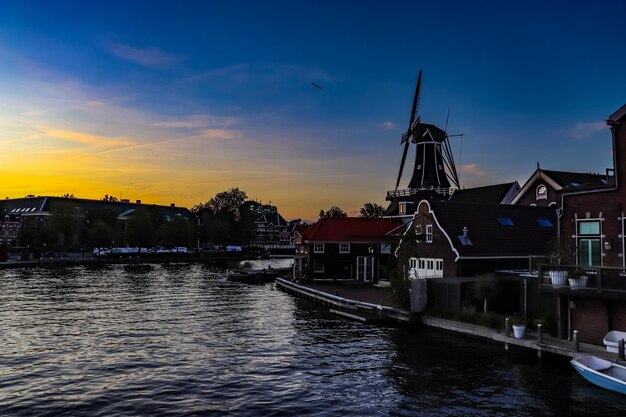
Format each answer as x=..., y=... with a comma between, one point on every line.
x=318, y=248
x=318, y=267
x=344, y=248
x=543, y=196
x=600, y=237
x=429, y=233
x=365, y=268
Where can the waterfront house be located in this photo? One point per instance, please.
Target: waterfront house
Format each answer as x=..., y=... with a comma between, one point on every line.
x=466, y=239
x=592, y=223
x=352, y=248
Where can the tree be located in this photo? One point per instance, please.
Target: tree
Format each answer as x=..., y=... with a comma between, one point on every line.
x=65, y=221
x=110, y=198
x=140, y=230
x=486, y=289
x=229, y=201
x=372, y=210
x=177, y=232
x=334, y=211
x=100, y=234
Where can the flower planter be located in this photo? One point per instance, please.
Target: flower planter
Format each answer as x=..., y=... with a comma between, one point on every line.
x=518, y=331
x=579, y=282
x=558, y=278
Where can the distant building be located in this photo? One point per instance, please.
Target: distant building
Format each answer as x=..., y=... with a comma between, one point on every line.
x=35, y=213
x=8, y=231
x=271, y=230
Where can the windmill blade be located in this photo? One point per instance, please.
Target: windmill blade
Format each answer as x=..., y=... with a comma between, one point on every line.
x=416, y=101
x=416, y=98
x=406, y=149
x=448, y=159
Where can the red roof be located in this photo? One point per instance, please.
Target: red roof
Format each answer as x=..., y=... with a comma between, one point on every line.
x=351, y=229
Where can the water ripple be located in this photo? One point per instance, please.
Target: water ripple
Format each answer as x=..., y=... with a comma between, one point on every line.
x=181, y=340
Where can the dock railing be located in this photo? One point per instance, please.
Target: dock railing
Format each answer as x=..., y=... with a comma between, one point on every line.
x=575, y=277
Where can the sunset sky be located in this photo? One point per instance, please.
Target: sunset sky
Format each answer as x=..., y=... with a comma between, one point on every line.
x=176, y=101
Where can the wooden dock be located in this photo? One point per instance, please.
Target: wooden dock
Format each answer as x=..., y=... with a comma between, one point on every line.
x=374, y=313
x=345, y=307
x=531, y=340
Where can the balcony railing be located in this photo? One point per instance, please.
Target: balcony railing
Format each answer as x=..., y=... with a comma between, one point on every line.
x=408, y=192
x=590, y=278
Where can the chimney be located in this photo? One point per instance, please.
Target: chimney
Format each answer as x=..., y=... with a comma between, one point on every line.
x=465, y=231
x=138, y=201
x=172, y=205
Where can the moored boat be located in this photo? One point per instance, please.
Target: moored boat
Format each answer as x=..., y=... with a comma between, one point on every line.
x=605, y=374
x=253, y=276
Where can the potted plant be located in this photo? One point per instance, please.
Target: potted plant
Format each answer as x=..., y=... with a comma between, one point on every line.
x=559, y=251
x=578, y=279
x=519, y=326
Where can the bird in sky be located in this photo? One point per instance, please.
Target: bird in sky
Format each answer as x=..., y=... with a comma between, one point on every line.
x=317, y=86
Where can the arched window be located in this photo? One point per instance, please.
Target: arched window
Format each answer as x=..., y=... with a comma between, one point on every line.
x=541, y=193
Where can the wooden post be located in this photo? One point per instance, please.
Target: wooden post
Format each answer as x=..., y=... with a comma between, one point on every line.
x=576, y=343
x=620, y=349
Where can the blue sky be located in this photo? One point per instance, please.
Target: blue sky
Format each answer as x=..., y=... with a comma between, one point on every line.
x=176, y=101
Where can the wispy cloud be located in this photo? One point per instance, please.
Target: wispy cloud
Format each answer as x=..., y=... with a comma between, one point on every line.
x=86, y=138
x=196, y=121
x=260, y=73
x=473, y=169
x=386, y=125
x=584, y=130
x=151, y=57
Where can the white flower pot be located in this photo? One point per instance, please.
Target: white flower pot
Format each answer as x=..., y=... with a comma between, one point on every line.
x=558, y=277
x=579, y=282
x=518, y=331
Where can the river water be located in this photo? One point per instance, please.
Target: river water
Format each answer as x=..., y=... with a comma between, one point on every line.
x=181, y=340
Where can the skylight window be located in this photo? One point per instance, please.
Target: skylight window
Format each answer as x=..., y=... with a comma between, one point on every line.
x=545, y=222
x=505, y=221
x=465, y=240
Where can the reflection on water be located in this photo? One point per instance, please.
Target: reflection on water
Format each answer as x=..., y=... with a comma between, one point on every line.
x=180, y=339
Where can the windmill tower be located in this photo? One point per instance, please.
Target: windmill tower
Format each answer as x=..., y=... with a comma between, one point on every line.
x=434, y=172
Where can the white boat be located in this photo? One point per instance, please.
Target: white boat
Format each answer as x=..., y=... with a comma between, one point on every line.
x=611, y=340
x=605, y=374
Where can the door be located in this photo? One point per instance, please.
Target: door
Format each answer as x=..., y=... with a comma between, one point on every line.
x=365, y=268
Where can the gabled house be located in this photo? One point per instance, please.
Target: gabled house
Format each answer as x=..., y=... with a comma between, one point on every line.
x=545, y=188
x=352, y=248
x=466, y=239
x=593, y=222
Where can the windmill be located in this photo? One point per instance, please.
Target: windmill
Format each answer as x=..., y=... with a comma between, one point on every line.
x=434, y=162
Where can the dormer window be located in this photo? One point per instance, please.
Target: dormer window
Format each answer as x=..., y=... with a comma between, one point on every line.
x=506, y=221
x=541, y=193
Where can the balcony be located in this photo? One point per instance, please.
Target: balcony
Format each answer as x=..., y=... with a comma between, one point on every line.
x=408, y=192
x=589, y=281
